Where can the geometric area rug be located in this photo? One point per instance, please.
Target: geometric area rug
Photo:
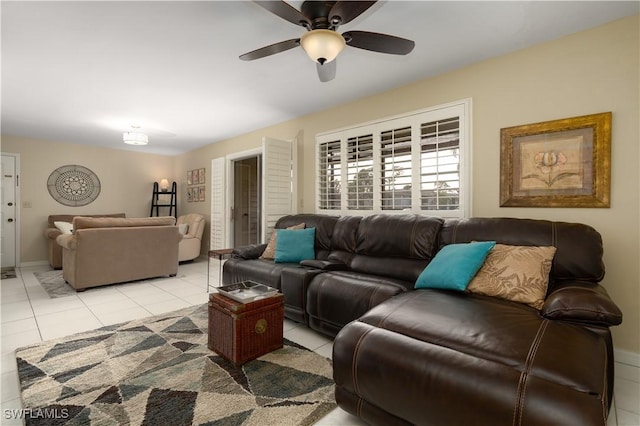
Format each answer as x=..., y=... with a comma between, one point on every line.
x=159, y=371
x=54, y=284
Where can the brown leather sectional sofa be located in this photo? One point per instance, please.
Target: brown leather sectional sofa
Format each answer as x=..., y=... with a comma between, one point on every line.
x=441, y=357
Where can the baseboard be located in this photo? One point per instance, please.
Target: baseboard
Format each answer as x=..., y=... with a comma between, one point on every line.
x=627, y=357
x=34, y=263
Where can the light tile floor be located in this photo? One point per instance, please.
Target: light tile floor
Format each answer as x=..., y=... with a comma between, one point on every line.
x=28, y=316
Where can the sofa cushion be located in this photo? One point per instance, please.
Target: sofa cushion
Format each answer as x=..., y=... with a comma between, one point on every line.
x=335, y=298
x=584, y=302
x=81, y=222
x=579, y=247
x=262, y=271
x=496, y=359
x=454, y=266
x=270, y=251
x=395, y=246
x=69, y=217
x=324, y=225
x=343, y=240
x=295, y=245
x=516, y=273
x=64, y=227
x=409, y=235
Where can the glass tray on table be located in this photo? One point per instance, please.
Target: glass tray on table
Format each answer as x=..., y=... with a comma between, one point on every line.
x=247, y=291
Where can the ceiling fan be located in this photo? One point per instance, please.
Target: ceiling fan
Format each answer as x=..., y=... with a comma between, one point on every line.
x=322, y=42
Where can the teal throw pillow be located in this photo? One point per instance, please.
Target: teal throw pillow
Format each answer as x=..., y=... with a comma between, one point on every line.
x=295, y=245
x=454, y=266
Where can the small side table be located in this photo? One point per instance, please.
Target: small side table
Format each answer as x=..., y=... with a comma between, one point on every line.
x=220, y=254
x=241, y=332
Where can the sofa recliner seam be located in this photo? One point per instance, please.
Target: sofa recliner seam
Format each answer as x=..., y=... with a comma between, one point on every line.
x=524, y=376
x=354, y=364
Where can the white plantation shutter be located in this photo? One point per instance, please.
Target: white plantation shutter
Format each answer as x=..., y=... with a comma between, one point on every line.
x=440, y=164
x=396, y=168
x=218, y=211
x=329, y=175
x=277, y=183
x=417, y=162
x=360, y=176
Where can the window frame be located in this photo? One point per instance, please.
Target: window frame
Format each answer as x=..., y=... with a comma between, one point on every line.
x=413, y=119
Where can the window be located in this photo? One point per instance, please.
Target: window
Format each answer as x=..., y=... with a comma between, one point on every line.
x=330, y=173
x=417, y=162
x=440, y=165
x=360, y=173
x=395, y=158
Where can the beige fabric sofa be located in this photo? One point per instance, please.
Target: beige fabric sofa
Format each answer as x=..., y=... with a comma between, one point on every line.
x=54, y=251
x=189, y=247
x=113, y=250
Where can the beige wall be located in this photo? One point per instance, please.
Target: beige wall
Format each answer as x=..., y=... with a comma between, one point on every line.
x=585, y=73
x=126, y=183
x=589, y=72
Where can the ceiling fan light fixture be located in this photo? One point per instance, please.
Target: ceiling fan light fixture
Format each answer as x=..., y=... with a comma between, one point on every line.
x=135, y=138
x=322, y=46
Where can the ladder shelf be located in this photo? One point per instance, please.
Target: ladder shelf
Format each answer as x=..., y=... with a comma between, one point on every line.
x=156, y=203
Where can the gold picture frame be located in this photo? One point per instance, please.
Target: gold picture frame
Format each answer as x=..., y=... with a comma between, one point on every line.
x=560, y=163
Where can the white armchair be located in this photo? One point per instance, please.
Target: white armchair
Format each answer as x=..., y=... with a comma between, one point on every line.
x=192, y=227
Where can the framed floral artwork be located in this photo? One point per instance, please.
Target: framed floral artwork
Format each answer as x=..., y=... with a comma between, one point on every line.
x=560, y=163
x=189, y=177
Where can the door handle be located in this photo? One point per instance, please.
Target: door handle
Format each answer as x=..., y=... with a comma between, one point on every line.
x=10, y=204
x=9, y=220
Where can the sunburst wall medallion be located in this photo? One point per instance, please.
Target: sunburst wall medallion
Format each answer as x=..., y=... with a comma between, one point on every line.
x=73, y=185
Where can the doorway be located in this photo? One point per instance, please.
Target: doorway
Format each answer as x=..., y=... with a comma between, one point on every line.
x=9, y=196
x=246, y=205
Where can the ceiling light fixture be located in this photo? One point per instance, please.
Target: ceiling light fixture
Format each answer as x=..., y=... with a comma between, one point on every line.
x=134, y=137
x=322, y=46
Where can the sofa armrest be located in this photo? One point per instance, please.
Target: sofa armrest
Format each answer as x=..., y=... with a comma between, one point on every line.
x=67, y=241
x=52, y=233
x=325, y=265
x=582, y=302
x=253, y=251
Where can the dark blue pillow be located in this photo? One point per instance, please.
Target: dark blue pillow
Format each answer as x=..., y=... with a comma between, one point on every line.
x=295, y=245
x=454, y=266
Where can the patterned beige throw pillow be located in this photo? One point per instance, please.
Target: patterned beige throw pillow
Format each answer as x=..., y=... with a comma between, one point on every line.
x=516, y=273
x=270, y=251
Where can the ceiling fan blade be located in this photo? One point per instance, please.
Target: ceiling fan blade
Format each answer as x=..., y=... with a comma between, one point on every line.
x=271, y=49
x=285, y=11
x=326, y=72
x=345, y=11
x=377, y=42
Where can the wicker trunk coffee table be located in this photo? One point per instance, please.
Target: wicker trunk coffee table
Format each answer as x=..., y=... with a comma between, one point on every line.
x=241, y=332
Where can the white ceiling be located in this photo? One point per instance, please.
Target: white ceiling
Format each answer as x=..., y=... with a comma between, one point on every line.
x=83, y=72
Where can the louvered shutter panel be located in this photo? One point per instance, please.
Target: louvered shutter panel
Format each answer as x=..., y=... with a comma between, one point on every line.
x=329, y=175
x=218, y=198
x=395, y=158
x=360, y=174
x=440, y=164
x=277, y=183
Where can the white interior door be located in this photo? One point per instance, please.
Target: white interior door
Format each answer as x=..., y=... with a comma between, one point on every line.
x=8, y=192
x=278, y=190
x=278, y=182
x=245, y=207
